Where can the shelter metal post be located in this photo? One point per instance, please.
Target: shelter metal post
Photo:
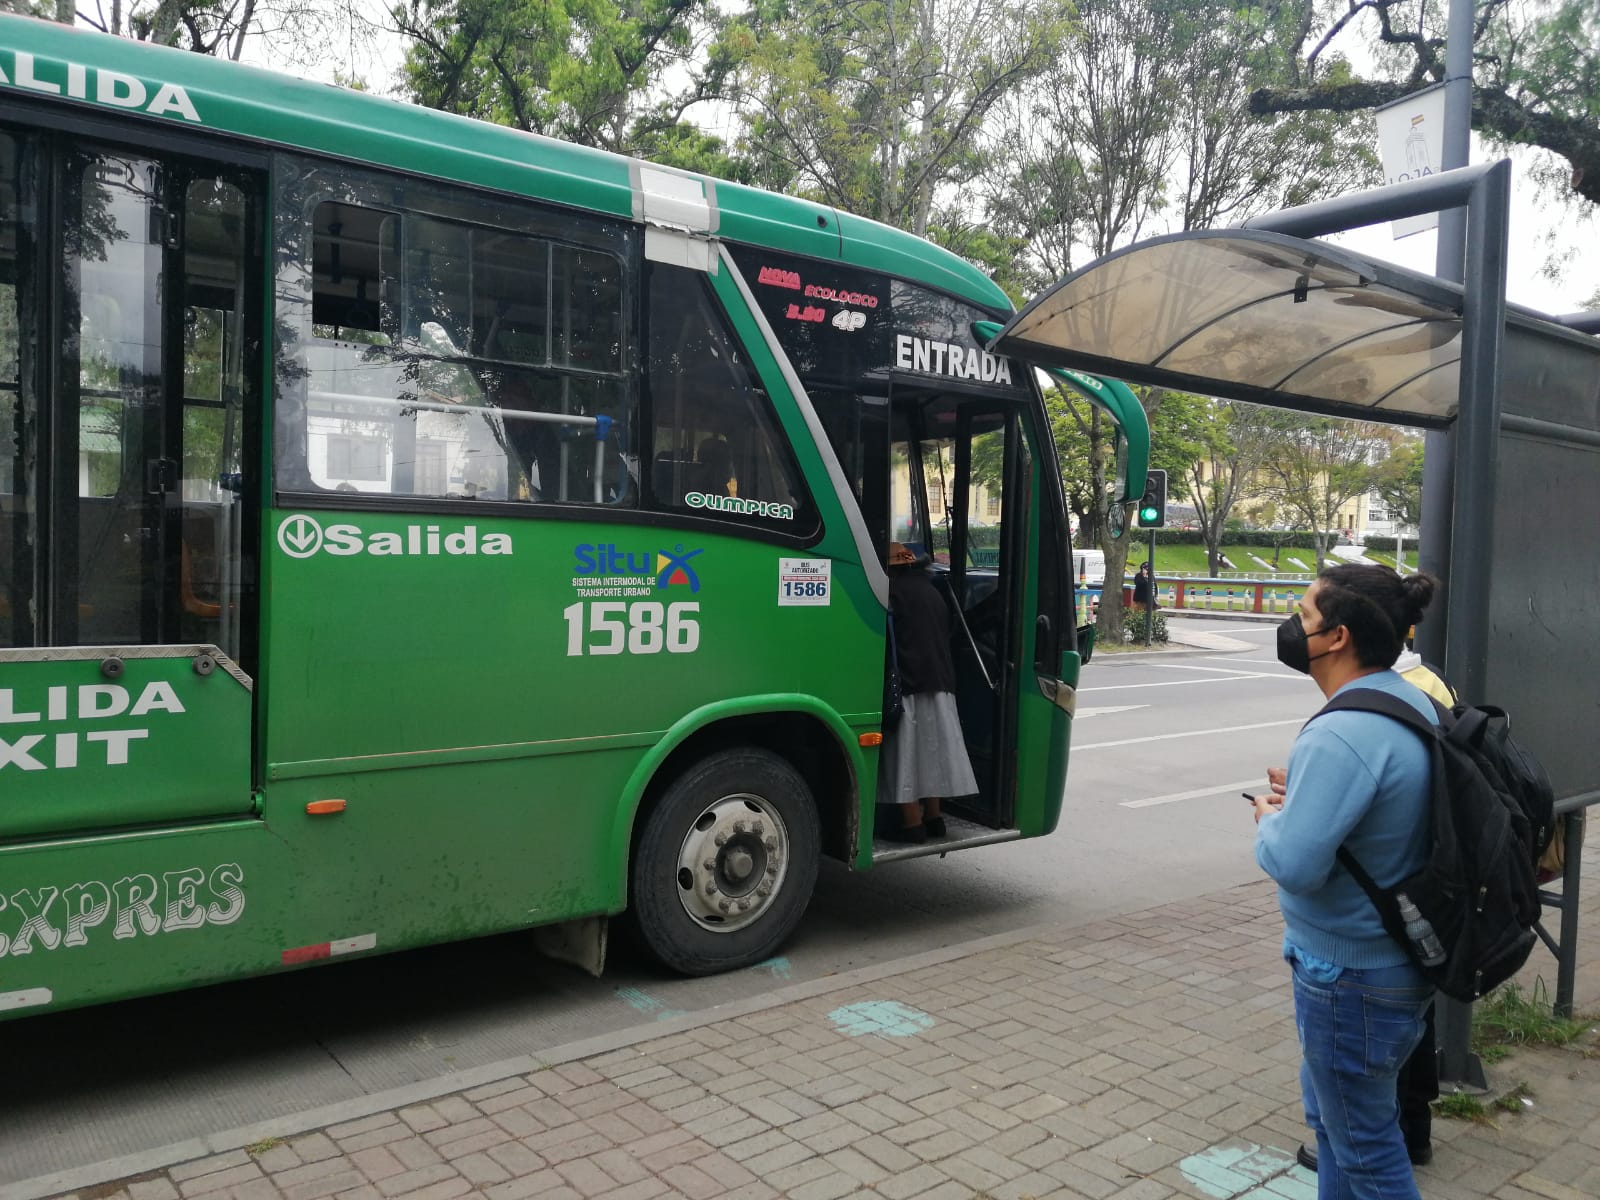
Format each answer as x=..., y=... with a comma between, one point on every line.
x=1477, y=448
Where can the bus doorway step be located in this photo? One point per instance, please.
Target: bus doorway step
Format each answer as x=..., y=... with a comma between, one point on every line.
x=963, y=835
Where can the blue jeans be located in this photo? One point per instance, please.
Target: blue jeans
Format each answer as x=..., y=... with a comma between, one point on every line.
x=1355, y=1033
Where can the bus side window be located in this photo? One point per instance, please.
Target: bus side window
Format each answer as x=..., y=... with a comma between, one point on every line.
x=717, y=448
x=455, y=360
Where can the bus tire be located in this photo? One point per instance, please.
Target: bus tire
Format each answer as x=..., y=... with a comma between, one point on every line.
x=726, y=862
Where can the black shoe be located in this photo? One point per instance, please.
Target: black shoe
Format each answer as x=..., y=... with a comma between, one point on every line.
x=916, y=834
x=935, y=826
x=1420, y=1153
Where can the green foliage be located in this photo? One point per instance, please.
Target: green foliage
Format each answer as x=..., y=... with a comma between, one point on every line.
x=1512, y=1101
x=1139, y=625
x=582, y=70
x=875, y=106
x=1461, y=1106
x=1509, y=1017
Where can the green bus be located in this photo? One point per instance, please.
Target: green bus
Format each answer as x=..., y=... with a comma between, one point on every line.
x=415, y=529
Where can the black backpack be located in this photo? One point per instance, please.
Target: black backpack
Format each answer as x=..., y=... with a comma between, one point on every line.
x=1492, y=816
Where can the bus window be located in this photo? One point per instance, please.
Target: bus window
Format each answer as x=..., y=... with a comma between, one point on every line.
x=857, y=425
x=449, y=359
x=717, y=449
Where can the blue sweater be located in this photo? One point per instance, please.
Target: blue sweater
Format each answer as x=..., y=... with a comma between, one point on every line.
x=1360, y=780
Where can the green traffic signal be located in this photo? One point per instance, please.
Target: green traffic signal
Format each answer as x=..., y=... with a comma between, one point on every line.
x=1153, y=506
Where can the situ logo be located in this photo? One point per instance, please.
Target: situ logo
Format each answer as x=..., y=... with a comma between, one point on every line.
x=670, y=568
x=302, y=536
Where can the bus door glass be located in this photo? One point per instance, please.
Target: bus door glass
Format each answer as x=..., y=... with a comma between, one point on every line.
x=150, y=419
x=957, y=467
x=129, y=343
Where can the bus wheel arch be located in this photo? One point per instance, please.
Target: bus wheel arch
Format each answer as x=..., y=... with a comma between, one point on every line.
x=726, y=842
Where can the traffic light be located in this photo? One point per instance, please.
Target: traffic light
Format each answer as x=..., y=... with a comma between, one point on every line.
x=1153, y=506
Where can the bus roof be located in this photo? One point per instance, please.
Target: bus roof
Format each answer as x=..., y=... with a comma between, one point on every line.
x=199, y=92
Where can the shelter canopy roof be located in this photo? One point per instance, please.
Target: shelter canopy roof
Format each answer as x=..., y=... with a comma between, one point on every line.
x=1252, y=315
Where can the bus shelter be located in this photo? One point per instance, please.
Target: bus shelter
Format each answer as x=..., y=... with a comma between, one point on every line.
x=1267, y=315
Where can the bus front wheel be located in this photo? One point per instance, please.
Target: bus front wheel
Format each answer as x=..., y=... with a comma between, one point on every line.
x=726, y=862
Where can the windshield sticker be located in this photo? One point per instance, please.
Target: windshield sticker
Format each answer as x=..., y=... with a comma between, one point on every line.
x=817, y=291
x=738, y=504
x=804, y=581
x=778, y=277
x=809, y=313
x=51, y=917
x=784, y=278
x=109, y=87
x=946, y=358
x=301, y=536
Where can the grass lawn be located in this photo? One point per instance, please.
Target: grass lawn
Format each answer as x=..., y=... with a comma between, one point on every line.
x=1387, y=558
x=1191, y=560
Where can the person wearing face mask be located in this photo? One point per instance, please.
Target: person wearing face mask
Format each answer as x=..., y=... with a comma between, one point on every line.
x=1355, y=779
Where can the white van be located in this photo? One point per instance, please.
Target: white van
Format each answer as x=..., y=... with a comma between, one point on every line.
x=1088, y=568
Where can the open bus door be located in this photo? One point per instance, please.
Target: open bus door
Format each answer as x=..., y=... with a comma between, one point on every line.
x=960, y=482
x=135, y=278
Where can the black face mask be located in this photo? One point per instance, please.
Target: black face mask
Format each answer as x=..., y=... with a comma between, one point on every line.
x=1294, y=650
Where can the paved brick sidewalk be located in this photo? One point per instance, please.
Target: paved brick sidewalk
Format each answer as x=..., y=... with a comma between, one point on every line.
x=1147, y=1056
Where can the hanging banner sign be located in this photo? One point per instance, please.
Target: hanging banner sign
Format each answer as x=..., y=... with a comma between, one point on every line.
x=1411, y=145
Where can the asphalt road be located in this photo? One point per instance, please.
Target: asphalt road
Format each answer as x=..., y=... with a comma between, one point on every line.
x=1163, y=745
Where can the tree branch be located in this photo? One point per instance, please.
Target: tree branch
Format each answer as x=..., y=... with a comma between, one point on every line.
x=1493, y=113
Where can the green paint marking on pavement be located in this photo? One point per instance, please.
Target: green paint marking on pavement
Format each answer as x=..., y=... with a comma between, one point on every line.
x=643, y=1002
x=888, y=1017
x=1237, y=1169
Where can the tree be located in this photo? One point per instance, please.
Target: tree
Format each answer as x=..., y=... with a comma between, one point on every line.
x=876, y=106
x=1236, y=447
x=582, y=70
x=1536, y=72
x=1141, y=124
x=1319, y=464
x=1398, y=481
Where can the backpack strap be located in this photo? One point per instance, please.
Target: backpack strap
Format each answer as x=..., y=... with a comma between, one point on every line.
x=1374, y=701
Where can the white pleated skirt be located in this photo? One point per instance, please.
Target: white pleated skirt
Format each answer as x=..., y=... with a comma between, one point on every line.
x=924, y=755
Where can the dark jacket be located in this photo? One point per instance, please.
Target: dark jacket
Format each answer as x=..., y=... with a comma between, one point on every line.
x=1143, y=588
x=922, y=632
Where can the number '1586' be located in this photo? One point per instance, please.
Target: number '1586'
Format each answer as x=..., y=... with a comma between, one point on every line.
x=642, y=627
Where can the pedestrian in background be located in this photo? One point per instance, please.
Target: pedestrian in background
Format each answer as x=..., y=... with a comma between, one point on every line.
x=1360, y=780
x=1144, y=590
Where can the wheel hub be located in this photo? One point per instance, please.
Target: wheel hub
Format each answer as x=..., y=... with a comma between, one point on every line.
x=732, y=862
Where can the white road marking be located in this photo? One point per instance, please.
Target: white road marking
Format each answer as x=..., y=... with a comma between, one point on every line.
x=1165, y=737
x=1174, y=797
x=1223, y=670
x=1123, y=687
x=1109, y=708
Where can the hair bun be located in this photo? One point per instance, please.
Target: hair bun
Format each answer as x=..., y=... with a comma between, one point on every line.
x=1418, y=591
